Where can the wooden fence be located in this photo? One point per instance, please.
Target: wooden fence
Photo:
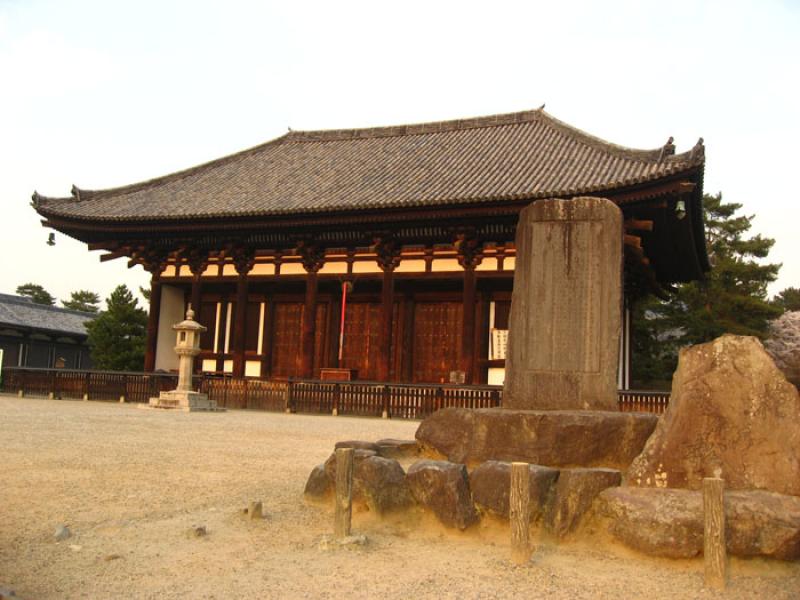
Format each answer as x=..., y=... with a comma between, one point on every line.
x=361, y=398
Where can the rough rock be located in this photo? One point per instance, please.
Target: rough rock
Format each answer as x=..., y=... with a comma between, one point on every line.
x=732, y=413
x=358, y=456
x=391, y=448
x=657, y=522
x=319, y=483
x=783, y=345
x=443, y=487
x=379, y=483
x=563, y=345
x=382, y=483
x=62, y=532
x=357, y=445
x=575, y=491
x=491, y=482
x=552, y=438
x=669, y=522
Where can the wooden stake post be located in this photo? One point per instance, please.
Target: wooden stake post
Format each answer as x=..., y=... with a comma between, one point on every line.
x=714, y=553
x=519, y=512
x=344, y=492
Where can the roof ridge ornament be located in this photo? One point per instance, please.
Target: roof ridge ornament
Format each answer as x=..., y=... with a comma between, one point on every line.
x=667, y=149
x=699, y=150
x=76, y=193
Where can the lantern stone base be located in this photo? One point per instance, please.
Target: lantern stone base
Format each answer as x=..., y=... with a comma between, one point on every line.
x=185, y=401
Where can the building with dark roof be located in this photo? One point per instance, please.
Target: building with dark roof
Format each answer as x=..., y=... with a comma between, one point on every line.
x=37, y=335
x=417, y=221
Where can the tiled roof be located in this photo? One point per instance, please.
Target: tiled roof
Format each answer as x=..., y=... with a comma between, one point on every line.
x=18, y=311
x=516, y=156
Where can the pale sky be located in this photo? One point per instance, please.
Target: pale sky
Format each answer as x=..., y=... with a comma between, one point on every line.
x=106, y=93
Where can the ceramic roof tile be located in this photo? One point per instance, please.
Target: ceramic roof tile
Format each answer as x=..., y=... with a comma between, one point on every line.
x=515, y=156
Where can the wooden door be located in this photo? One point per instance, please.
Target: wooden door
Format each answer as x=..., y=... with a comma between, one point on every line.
x=287, y=343
x=361, y=338
x=437, y=340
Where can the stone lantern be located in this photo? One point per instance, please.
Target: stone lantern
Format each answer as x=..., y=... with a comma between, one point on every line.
x=187, y=347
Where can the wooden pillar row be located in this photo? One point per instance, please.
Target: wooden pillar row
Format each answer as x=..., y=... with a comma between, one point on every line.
x=312, y=258
x=243, y=260
x=388, y=252
x=469, y=257
x=152, y=322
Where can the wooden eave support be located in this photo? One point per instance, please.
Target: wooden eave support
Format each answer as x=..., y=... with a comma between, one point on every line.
x=115, y=254
x=638, y=225
x=633, y=240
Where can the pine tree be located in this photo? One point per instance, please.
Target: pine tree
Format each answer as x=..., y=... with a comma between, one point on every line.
x=788, y=300
x=117, y=336
x=36, y=293
x=83, y=300
x=731, y=299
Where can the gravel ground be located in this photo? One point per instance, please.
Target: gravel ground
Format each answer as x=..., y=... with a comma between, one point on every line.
x=132, y=484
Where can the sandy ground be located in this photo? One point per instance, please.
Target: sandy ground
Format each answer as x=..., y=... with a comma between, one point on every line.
x=131, y=484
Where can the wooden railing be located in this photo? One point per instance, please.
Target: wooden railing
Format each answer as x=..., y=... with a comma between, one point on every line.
x=361, y=398
x=643, y=401
x=399, y=400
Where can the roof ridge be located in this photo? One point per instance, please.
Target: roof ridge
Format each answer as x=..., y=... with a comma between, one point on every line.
x=496, y=120
x=28, y=302
x=325, y=135
x=660, y=154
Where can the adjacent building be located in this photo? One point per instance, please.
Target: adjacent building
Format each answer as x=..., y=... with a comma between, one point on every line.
x=388, y=252
x=36, y=335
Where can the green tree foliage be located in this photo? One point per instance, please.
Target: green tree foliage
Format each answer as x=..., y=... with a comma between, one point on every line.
x=145, y=292
x=36, y=293
x=117, y=335
x=788, y=300
x=83, y=300
x=731, y=299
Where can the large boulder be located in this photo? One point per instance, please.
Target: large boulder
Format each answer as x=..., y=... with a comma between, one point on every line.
x=669, y=522
x=732, y=413
x=491, y=482
x=783, y=345
x=443, y=487
x=552, y=438
x=575, y=491
x=319, y=483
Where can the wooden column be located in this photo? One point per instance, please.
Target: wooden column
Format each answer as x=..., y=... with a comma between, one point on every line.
x=468, y=324
x=344, y=492
x=152, y=323
x=269, y=329
x=239, y=322
x=309, y=325
x=519, y=512
x=311, y=257
x=469, y=257
x=197, y=260
x=714, y=551
x=388, y=251
x=243, y=261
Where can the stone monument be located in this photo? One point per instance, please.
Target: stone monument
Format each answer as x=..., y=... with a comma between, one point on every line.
x=566, y=307
x=188, y=346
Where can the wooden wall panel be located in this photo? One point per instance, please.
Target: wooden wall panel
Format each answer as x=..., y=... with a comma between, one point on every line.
x=437, y=340
x=286, y=344
x=361, y=338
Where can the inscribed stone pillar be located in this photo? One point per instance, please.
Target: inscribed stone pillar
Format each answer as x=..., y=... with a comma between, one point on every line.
x=564, y=329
